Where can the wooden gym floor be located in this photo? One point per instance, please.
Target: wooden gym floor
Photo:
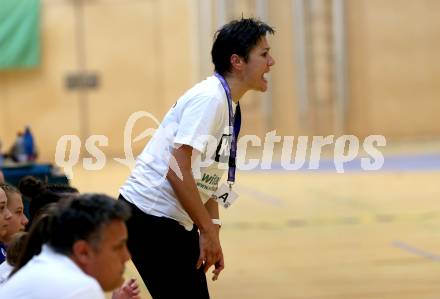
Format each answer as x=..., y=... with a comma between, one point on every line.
x=302, y=235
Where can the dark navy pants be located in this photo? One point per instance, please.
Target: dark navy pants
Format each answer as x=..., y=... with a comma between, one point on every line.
x=165, y=255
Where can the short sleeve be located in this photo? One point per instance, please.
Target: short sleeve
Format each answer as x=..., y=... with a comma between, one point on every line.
x=202, y=116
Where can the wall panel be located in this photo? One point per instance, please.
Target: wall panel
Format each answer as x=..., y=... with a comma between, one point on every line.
x=393, y=67
x=38, y=97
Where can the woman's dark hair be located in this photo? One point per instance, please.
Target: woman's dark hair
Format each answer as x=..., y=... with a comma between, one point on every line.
x=236, y=37
x=15, y=247
x=38, y=235
x=41, y=194
x=72, y=219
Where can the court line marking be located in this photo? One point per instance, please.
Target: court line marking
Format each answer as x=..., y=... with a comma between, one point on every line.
x=261, y=196
x=417, y=251
x=368, y=218
x=410, y=162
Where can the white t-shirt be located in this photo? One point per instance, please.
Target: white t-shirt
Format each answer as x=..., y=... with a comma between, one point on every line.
x=51, y=275
x=201, y=112
x=5, y=270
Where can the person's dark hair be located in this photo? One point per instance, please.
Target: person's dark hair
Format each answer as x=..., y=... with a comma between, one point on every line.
x=38, y=235
x=236, y=37
x=31, y=186
x=16, y=246
x=41, y=194
x=72, y=219
x=83, y=218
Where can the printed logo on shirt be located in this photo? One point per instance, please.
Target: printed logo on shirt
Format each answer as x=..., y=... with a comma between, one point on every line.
x=208, y=182
x=223, y=149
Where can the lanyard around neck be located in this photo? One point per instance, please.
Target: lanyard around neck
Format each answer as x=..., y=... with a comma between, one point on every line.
x=235, y=124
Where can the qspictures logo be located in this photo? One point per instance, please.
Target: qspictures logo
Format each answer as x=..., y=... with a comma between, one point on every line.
x=346, y=149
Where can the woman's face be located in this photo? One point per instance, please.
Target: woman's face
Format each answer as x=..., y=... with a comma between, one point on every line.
x=5, y=215
x=18, y=220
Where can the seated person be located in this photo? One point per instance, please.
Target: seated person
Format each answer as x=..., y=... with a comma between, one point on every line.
x=18, y=220
x=15, y=246
x=130, y=289
x=41, y=194
x=77, y=249
x=5, y=216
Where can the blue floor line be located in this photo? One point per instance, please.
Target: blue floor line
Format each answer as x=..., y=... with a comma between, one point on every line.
x=417, y=251
x=426, y=162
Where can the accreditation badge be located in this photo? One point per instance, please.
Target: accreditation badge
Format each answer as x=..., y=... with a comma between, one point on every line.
x=225, y=196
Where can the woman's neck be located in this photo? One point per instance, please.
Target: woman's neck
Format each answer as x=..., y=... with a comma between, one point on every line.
x=238, y=89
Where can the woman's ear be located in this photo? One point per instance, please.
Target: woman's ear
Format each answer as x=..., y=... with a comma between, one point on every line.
x=237, y=62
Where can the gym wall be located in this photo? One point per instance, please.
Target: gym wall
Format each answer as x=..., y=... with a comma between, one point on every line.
x=148, y=52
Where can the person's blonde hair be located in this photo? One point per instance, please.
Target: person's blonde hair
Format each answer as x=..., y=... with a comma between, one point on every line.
x=9, y=189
